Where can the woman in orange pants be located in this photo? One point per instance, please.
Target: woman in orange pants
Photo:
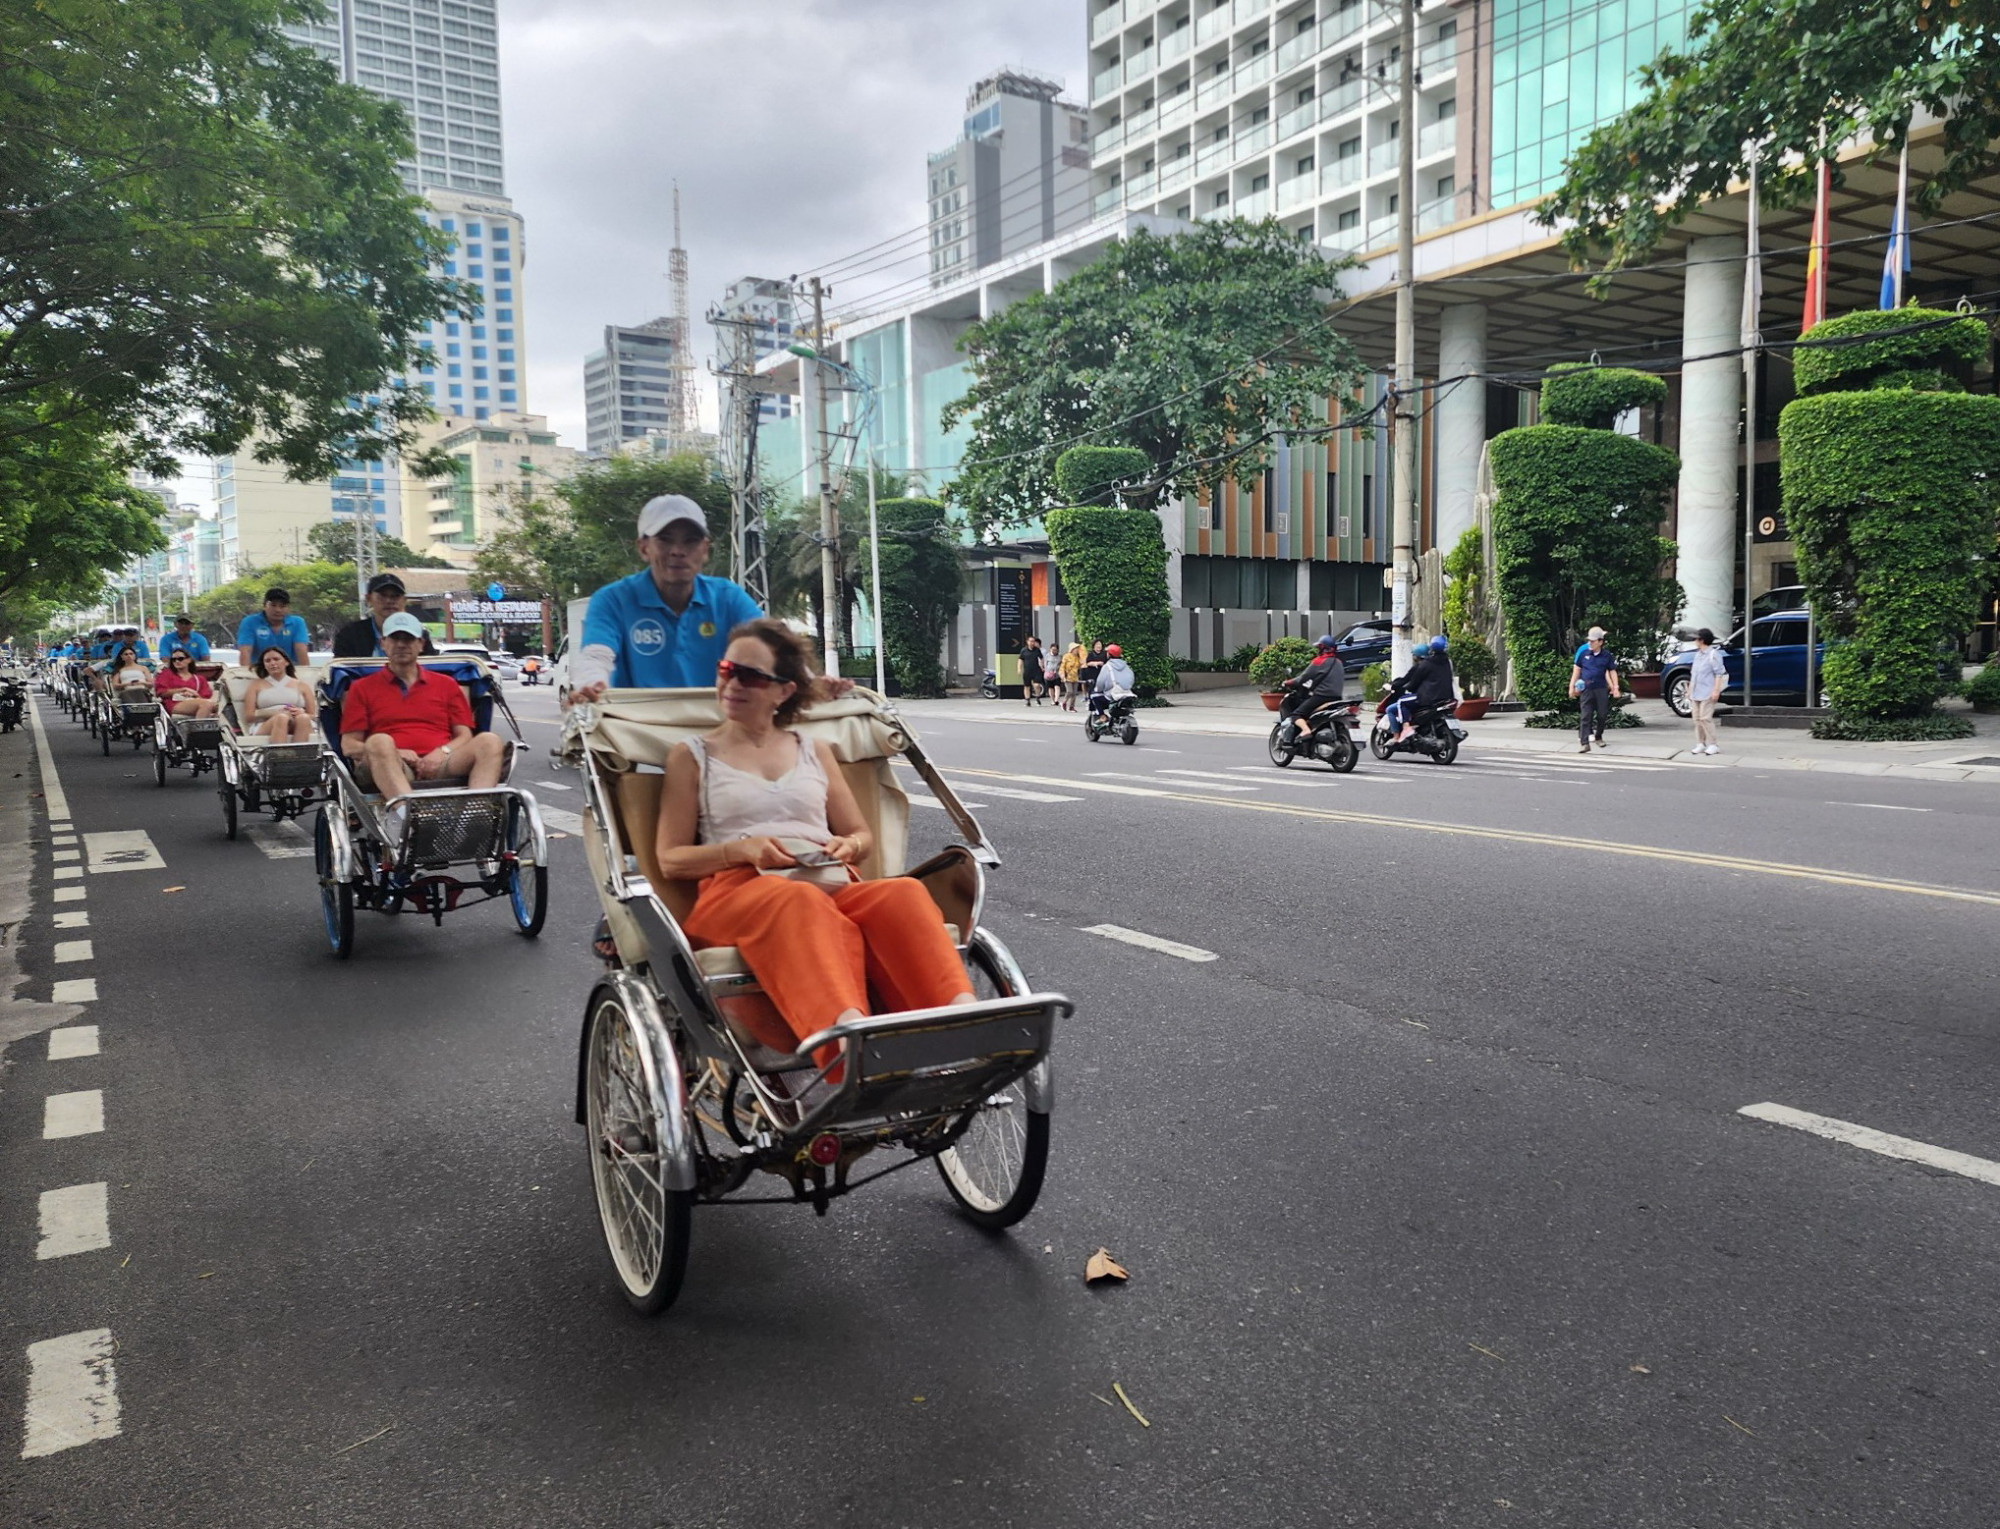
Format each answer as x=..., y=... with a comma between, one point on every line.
x=763, y=819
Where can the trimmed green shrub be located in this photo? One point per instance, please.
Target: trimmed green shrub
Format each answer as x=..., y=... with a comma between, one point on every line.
x=1114, y=565
x=1891, y=498
x=1920, y=340
x=1932, y=727
x=1467, y=613
x=1621, y=716
x=1374, y=681
x=921, y=577
x=1086, y=474
x=1592, y=397
x=1279, y=662
x=1984, y=689
x=1576, y=544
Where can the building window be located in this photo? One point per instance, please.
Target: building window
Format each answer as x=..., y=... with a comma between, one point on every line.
x=1221, y=199
x=1447, y=108
x=1260, y=182
x=1351, y=218
x=1349, y=147
x=507, y=396
x=1304, y=166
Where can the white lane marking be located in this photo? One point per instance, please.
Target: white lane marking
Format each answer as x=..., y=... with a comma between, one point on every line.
x=61, y=839
x=74, y=990
x=1518, y=758
x=931, y=801
x=72, y=1392
x=70, y=894
x=123, y=849
x=72, y=950
x=77, y=920
x=75, y=1220
x=552, y=785
x=1156, y=780
x=1879, y=806
x=1149, y=942
x=562, y=822
x=77, y=1114
x=1871, y=1140
x=53, y=798
x=66, y=873
x=280, y=841
x=68, y=1041
x=1271, y=776
x=1197, y=774
x=65, y=854
x=1023, y=796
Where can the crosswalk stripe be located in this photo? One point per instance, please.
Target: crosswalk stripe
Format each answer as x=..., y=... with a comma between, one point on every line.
x=74, y=1219
x=72, y=1392
x=1026, y=796
x=1156, y=780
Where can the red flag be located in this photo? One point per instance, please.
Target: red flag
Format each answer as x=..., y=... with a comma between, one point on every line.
x=1815, y=309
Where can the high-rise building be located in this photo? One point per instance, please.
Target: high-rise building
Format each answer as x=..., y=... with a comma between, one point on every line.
x=1019, y=174
x=627, y=386
x=768, y=309
x=493, y=460
x=439, y=61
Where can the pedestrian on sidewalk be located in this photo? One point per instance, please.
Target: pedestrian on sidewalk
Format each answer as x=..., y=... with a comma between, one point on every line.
x=1093, y=661
x=1593, y=680
x=1031, y=672
x=1705, y=689
x=1071, y=671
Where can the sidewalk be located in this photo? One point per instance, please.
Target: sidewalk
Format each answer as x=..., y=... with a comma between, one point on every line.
x=1240, y=713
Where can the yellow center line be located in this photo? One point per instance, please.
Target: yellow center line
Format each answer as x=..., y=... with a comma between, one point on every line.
x=1514, y=836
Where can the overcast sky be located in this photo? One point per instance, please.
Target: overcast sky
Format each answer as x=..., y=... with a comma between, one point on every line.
x=796, y=128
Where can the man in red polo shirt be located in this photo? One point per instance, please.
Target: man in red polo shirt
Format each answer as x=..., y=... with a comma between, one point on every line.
x=403, y=718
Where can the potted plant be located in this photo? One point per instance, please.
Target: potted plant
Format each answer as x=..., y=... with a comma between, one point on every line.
x=1277, y=663
x=1468, y=616
x=1472, y=662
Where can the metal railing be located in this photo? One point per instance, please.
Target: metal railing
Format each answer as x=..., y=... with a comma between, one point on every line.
x=1253, y=140
x=1437, y=138
x=1108, y=138
x=1218, y=87
x=1212, y=24
x=1341, y=173
x=1105, y=81
x=1139, y=65
x=1255, y=72
x=1297, y=191
x=1300, y=48
x=1107, y=200
x=1342, y=23
x=1435, y=58
x=1213, y=156
x=1385, y=156
x=1298, y=119
x=1175, y=43
x=1254, y=204
x=1176, y=109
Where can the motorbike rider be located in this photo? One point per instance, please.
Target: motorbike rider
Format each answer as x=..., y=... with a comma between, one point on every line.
x=1324, y=679
x=1115, y=675
x=1426, y=684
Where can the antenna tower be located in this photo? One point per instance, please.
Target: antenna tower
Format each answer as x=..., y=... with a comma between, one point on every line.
x=684, y=421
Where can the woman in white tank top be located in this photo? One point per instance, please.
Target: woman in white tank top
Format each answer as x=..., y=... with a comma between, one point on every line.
x=764, y=820
x=276, y=701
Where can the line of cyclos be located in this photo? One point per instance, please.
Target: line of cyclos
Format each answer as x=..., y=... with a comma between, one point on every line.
x=441, y=850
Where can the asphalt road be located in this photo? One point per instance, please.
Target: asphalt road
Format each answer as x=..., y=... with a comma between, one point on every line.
x=1433, y=1186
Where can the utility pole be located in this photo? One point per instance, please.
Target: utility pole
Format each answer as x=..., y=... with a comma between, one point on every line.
x=741, y=410
x=829, y=507
x=1404, y=418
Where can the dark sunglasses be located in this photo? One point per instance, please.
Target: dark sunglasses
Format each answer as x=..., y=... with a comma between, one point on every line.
x=751, y=679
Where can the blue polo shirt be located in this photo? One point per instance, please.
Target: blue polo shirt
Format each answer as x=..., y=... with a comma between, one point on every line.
x=196, y=646
x=1594, y=667
x=257, y=634
x=656, y=648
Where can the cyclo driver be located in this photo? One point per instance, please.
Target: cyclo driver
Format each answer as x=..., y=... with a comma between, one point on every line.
x=1322, y=680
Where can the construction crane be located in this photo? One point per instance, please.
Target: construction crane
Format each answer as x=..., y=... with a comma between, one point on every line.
x=683, y=415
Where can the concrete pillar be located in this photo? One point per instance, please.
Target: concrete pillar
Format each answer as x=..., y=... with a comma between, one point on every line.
x=1461, y=417
x=1711, y=407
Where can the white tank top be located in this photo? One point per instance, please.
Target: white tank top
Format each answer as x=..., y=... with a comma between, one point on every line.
x=738, y=804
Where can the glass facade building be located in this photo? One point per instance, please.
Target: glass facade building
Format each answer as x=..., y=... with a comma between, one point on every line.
x=1560, y=69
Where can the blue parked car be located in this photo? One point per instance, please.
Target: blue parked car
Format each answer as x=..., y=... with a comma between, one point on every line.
x=1368, y=642
x=1777, y=665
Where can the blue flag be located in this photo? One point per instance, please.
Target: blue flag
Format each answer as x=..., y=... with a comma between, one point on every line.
x=1896, y=259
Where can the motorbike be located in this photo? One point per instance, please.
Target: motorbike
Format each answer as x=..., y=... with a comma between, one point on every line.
x=1116, y=717
x=1437, y=736
x=13, y=701
x=989, y=686
x=1328, y=737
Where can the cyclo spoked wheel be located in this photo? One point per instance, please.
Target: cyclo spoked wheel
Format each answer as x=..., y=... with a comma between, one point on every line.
x=994, y=1170
x=228, y=808
x=646, y=1224
x=1281, y=751
x=527, y=885
x=336, y=898
x=159, y=767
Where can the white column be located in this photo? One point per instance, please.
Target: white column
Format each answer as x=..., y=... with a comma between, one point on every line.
x=1711, y=407
x=1461, y=417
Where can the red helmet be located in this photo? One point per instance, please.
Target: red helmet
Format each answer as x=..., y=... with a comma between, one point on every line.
x=1114, y=651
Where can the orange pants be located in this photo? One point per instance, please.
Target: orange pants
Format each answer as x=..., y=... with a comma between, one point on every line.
x=817, y=956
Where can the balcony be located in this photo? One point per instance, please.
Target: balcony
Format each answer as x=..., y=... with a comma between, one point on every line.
x=1175, y=43
x=1214, y=156
x=1245, y=9
x=1142, y=123
x=1138, y=66
x=1140, y=187
x=1342, y=24
x=1211, y=24
x=1107, y=21
x=1108, y=138
x=1381, y=231
x=1213, y=91
x=1298, y=50
x=1342, y=99
x=1254, y=204
x=1106, y=82
x=1435, y=58
x=1297, y=191
x=1384, y=156
x=1437, y=214
x=1258, y=70
x=1298, y=120
x=1436, y=138
x=1176, y=110
x=1108, y=200
x=1342, y=173
x=1253, y=140
x=1176, y=175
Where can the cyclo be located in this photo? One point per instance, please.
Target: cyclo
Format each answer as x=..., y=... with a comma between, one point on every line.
x=496, y=833
x=121, y=711
x=255, y=774
x=677, y=1094
x=190, y=743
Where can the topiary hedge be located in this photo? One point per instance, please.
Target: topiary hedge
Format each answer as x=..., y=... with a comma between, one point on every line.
x=1280, y=661
x=921, y=585
x=1114, y=565
x=1891, y=496
x=1592, y=397
x=1984, y=689
x=1576, y=543
x=1878, y=344
x=1086, y=474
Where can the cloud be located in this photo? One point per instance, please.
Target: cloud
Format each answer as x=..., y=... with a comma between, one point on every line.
x=797, y=130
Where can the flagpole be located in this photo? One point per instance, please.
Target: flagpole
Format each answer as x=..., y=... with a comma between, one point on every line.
x=1751, y=339
x=1902, y=240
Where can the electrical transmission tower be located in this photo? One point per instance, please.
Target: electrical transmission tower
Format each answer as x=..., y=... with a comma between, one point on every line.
x=683, y=416
x=742, y=406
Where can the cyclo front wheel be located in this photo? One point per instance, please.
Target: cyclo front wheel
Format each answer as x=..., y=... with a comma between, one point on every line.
x=336, y=897
x=646, y=1224
x=995, y=1168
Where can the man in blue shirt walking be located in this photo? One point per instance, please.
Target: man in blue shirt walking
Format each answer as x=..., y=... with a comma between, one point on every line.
x=1593, y=680
x=668, y=624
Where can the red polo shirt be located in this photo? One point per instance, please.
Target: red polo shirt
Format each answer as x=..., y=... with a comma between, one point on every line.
x=420, y=718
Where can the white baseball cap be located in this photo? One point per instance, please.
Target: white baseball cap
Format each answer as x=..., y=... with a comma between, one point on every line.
x=662, y=511
x=405, y=624
x=1595, y=634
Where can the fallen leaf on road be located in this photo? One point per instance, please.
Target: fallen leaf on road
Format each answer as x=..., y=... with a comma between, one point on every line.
x=209, y=1275
x=1640, y=1369
x=369, y=1440
x=1107, y=1401
x=1103, y=1266
x=1736, y=1425
x=1488, y=1352
x=1119, y=1391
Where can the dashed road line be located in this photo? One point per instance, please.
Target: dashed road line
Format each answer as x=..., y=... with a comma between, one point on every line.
x=74, y=990
x=77, y=1114
x=75, y=1219
x=1870, y=1140
x=1152, y=942
x=1026, y=796
x=1154, y=780
x=68, y=951
x=67, y=1041
x=122, y=849
x=562, y=822
x=77, y=920
x=280, y=841
x=69, y=894
x=931, y=801
x=1879, y=806
x=72, y=1392
x=54, y=802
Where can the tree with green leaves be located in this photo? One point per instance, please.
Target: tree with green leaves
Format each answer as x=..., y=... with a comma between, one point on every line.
x=332, y=541
x=322, y=593
x=68, y=514
x=923, y=574
x=1789, y=76
x=577, y=536
x=207, y=238
x=1195, y=348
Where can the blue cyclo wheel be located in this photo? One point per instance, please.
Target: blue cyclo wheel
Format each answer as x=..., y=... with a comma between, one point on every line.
x=336, y=898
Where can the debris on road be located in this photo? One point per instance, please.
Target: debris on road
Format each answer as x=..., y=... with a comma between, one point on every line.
x=1488, y=1352
x=1119, y=1391
x=1103, y=1266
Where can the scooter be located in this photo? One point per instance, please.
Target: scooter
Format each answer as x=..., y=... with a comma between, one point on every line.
x=13, y=701
x=1437, y=737
x=1328, y=737
x=989, y=686
x=1116, y=717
